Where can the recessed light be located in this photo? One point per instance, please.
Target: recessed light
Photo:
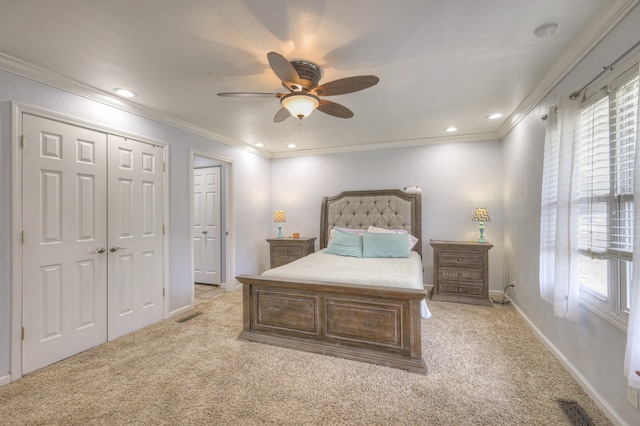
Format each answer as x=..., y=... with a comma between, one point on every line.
x=260, y=144
x=494, y=116
x=125, y=93
x=292, y=145
x=450, y=129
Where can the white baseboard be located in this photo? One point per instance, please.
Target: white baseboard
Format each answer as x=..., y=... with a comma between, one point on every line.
x=180, y=311
x=597, y=398
x=237, y=286
x=5, y=380
x=233, y=286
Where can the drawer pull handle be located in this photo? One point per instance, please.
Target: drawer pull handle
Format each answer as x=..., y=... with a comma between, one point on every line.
x=459, y=259
x=459, y=274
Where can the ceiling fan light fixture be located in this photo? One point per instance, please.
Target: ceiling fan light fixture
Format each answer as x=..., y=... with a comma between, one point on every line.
x=301, y=79
x=300, y=105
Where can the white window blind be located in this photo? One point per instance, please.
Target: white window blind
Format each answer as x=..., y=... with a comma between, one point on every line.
x=594, y=176
x=607, y=144
x=623, y=129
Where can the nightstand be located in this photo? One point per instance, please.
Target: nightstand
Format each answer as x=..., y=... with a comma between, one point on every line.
x=461, y=272
x=285, y=250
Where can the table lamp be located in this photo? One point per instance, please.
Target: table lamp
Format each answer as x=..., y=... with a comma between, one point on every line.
x=481, y=215
x=279, y=217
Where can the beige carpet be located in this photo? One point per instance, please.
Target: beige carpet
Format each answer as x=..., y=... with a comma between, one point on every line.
x=485, y=368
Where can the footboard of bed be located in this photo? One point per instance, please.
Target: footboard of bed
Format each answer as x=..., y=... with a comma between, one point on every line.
x=380, y=325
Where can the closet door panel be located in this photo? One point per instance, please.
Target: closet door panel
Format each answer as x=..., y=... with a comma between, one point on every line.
x=135, y=235
x=65, y=226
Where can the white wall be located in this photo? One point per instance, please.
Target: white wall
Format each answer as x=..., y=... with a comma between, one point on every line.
x=251, y=174
x=455, y=179
x=593, y=346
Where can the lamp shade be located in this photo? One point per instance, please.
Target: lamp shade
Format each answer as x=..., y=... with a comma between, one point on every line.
x=481, y=214
x=300, y=105
x=279, y=216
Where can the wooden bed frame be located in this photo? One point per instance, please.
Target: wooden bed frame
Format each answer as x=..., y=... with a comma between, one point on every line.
x=380, y=325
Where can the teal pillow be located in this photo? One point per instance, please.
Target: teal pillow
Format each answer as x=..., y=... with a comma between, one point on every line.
x=385, y=245
x=345, y=244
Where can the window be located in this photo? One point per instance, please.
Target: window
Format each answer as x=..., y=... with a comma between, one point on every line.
x=607, y=143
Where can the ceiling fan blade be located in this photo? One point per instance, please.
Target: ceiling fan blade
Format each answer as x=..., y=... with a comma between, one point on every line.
x=346, y=85
x=285, y=71
x=251, y=95
x=334, y=109
x=281, y=115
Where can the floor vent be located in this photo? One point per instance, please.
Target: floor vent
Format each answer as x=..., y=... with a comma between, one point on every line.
x=575, y=413
x=189, y=317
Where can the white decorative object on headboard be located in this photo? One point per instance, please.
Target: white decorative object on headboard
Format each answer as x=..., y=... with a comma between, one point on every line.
x=413, y=190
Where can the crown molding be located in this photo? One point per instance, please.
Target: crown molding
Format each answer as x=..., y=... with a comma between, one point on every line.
x=33, y=72
x=607, y=18
x=474, y=137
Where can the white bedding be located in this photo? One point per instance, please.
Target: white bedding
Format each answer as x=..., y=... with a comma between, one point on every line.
x=385, y=272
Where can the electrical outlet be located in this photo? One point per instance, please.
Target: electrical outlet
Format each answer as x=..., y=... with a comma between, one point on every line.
x=632, y=396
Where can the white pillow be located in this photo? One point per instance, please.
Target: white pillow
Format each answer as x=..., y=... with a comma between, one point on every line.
x=412, y=240
x=347, y=230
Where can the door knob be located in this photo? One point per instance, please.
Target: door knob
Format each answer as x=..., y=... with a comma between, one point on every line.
x=114, y=249
x=99, y=250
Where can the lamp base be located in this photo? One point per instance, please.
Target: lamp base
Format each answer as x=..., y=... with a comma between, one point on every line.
x=280, y=231
x=481, y=239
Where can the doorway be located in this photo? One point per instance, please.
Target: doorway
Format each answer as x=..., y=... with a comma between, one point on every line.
x=207, y=257
x=211, y=224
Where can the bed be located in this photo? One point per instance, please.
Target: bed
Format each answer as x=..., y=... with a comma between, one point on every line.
x=376, y=321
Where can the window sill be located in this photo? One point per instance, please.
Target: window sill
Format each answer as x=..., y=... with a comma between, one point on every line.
x=604, y=313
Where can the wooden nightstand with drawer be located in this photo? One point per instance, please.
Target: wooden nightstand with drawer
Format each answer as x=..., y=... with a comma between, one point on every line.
x=461, y=272
x=285, y=250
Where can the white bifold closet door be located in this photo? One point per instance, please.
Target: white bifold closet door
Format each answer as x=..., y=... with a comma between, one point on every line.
x=64, y=287
x=135, y=235
x=92, y=252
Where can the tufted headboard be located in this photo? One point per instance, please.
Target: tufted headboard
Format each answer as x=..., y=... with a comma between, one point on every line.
x=385, y=208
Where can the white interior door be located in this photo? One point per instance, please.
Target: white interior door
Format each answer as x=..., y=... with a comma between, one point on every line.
x=135, y=235
x=65, y=234
x=206, y=220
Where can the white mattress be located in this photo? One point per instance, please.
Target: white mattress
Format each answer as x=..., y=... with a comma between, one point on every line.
x=384, y=272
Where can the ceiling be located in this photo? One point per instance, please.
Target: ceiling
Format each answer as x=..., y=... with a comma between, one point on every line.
x=441, y=63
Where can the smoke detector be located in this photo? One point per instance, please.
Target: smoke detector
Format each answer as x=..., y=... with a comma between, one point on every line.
x=546, y=30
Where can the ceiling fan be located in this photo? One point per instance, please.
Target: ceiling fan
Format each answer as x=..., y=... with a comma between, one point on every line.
x=301, y=79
